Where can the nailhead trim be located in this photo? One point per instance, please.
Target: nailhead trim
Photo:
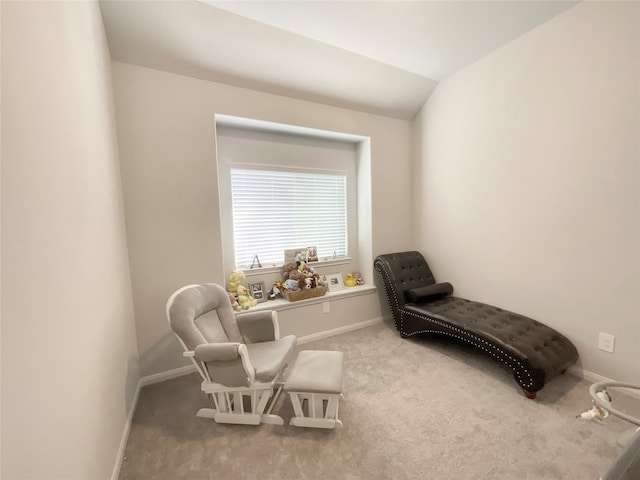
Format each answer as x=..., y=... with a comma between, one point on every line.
x=382, y=271
x=476, y=341
x=465, y=335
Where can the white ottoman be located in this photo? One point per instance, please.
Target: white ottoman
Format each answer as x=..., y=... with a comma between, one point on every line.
x=315, y=382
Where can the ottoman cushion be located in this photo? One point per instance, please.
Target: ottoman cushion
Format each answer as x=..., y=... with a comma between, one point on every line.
x=316, y=371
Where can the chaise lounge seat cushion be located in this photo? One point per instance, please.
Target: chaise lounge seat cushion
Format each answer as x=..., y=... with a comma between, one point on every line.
x=535, y=352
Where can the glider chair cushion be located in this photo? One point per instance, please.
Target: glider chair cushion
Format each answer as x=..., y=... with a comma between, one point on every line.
x=237, y=357
x=535, y=352
x=202, y=314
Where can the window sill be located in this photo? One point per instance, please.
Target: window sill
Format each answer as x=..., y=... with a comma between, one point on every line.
x=282, y=304
x=248, y=272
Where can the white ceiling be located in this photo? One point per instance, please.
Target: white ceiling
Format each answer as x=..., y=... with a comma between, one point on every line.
x=382, y=57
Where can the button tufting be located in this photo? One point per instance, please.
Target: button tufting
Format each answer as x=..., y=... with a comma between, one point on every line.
x=496, y=329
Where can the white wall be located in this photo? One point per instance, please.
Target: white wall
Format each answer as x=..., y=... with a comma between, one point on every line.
x=167, y=146
x=69, y=366
x=528, y=177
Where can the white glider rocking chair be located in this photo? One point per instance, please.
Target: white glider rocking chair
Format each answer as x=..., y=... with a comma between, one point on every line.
x=241, y=359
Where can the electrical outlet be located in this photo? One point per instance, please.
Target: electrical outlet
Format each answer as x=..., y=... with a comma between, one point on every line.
x=606, y=342
x=326, y=308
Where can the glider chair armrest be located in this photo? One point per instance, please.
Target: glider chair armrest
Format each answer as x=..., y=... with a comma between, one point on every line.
x=257, y=327
x=212, y=352
x=226, y=363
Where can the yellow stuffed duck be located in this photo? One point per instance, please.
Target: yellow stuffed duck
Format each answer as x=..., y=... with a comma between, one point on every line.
x=349, y=281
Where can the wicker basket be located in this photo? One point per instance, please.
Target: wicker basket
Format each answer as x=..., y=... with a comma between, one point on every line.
x=304, y=294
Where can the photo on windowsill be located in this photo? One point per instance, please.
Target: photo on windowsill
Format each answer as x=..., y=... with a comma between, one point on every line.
x=334, y=282
x=312, y=254
x=295, y=255
x=256, y=290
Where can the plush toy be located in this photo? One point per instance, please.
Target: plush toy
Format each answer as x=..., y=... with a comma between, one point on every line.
x=359, y=279
x=291, y=284
x=299, y=276
x=233, y=298
x=349, y=281
x=296, y=276
x=245, y=299
x=275, y=291
x=306, y=270
x=234, y=280
x=289, y=269
x=310, y=282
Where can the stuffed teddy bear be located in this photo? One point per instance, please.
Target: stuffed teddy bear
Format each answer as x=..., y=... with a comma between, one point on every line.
x=289, y=268
x=292, y=276
x=359, y=279
x=245, y=299
x=233, y=298
x=234, y=280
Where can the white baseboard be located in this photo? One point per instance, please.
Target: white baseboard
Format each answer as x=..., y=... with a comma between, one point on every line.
x=186, y=370
x=338, y=331
x=596, y=378
x=168, y=375
x=148, y=380
x=125, y=434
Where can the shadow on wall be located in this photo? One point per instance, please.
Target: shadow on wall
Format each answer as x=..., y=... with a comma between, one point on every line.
x=133, y=377
x=385, y=310
x=153, y=359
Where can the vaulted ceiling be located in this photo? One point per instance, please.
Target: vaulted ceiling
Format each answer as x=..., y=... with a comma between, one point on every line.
x=382, y=57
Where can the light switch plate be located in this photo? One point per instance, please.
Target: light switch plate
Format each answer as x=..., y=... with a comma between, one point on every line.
x=606, y=341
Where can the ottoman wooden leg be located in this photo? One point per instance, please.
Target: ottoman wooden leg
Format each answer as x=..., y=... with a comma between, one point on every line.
x=321, y=410
x=315, y=387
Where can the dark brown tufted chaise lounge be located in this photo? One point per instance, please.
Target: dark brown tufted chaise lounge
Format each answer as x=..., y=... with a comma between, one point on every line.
x=535, y=352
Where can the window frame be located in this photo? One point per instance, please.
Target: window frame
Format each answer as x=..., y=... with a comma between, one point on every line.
x=359, y=149
x=349, y=196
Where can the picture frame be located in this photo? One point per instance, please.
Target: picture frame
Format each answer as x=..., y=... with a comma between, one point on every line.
x=256, y=290
x=294, y=255
x=334, y=281
x=312, y=254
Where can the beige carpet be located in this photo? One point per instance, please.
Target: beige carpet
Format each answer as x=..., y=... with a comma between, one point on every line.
x=414, y=409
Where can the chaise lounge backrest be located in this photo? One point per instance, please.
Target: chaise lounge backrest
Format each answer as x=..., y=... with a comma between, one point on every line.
x=402, y=272
x=534, y=351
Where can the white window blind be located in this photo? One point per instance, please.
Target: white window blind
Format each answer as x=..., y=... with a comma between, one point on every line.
x=274, y=210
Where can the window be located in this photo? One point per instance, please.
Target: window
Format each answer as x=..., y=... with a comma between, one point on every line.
x=274, y=209
x=286, y=187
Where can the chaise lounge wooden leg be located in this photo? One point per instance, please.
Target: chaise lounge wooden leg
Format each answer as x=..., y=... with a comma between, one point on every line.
x=529, y=395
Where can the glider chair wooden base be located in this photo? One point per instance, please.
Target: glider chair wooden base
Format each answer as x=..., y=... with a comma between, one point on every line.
x=242, y=406
x=241, y=359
